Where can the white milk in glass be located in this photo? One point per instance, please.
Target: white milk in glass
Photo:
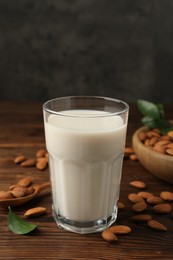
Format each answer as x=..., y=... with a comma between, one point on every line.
x=86, y=153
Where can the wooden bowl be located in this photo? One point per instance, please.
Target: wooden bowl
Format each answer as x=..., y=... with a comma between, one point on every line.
x=160, y=165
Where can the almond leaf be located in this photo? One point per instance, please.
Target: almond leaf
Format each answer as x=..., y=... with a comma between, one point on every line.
x=17, y=225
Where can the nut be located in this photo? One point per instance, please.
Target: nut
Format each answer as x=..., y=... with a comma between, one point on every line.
x=33, y=212
x=154, y=200
x=109, y=236
x=145, y=194
x=166, y=195
x=19, y=191
x=138, y=184
x=20, y=159
x=135, y=198
x=141, y=217
x=41, y=153
x=170, y=134
x=162, y=208
x=133, y=157
x=25, y=182
x=29, y=162
x=121, y=205
x=41, y=164
x=139, y=206
x=110, y=233
x=169, y=151
x=6, y=195
x=156, y=225
x=119, y=229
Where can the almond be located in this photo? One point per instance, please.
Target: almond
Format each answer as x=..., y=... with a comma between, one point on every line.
x=33, y=212
x=165, y=137
x=121, y=205
x=6, y=195
x=147, y=142
x=138, y=184
x=170, y=145
x=163, y=142
x=154, y=200
x=109, y=236
x=166, y=195
x=141, y=217
x=145, y=194
x=169, y=151
x=19, y=191
x=139, y=206
x=159, y=148
x=41, y=164
x=170, y=134
x=156, y=225
x=119, y=229
x=25, y=182
x=142, y=136
x=153, y=140
x=135, y=198
x=133, y=157
x=162, y=208
x=29, y=163
x=20, y=159
x=41, y=153
x=128, y=150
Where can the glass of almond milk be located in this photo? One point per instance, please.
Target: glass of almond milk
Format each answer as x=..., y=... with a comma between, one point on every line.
x=85, y=138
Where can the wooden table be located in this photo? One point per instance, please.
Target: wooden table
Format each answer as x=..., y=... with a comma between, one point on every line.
x=21, y=131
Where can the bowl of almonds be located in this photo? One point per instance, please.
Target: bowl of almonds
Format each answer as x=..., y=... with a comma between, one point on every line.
x=153, y=142
x=155, y=152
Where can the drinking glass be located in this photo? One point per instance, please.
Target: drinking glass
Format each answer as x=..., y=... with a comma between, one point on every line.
x=85, y=139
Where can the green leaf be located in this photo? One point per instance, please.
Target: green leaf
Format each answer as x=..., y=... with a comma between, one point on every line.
x=148, y=121
x=148, y=109
x=18, y=225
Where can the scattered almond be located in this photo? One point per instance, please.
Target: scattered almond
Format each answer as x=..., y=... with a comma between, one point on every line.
x=33, y=212
x=166, y=195
x=20, y=159
x=128, y=150
x=153, y=200
x=41, y=164
x=141, y=217
x=121, y=205
x=109, y=236
x=133, y=157
x=119, y=229
x=25, y=182
x=138, y=184
x=41, y=153
x=156, y=225
x=145, y=194
x=29, y=162
x=162, y=208
x=135, y=198
x=139, y=206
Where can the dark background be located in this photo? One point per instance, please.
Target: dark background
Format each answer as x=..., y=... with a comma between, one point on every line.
x=115, y=48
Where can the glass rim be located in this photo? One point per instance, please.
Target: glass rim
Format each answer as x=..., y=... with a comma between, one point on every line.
x=62, y=113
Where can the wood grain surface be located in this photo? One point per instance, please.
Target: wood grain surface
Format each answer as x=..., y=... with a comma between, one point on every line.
x=22, y=132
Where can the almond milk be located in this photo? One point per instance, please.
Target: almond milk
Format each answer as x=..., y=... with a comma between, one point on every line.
x=85, y=156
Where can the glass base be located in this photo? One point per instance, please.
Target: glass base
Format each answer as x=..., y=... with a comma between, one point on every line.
x=84, y=227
